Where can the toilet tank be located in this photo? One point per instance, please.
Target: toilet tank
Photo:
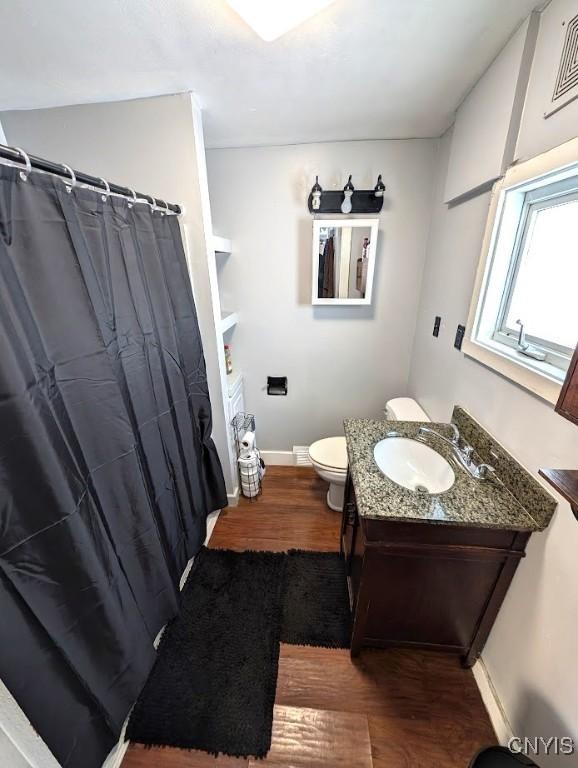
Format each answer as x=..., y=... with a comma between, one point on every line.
x=404, y=409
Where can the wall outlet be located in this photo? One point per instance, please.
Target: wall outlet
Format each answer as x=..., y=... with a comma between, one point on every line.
x=460, y=333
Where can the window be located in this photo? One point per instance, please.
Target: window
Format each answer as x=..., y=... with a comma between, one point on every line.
x=524, y=314
x=541, y=289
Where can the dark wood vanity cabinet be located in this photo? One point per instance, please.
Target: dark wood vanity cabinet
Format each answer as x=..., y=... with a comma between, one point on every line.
x=567, y=404
x=565, y=481
x=425, y=585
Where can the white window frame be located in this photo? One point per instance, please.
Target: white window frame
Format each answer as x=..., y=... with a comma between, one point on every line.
x=525, y=188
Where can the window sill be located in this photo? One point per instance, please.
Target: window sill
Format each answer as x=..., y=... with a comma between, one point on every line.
x=541, y=378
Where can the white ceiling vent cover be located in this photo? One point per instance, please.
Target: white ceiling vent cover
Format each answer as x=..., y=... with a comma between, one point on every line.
x=566, y=85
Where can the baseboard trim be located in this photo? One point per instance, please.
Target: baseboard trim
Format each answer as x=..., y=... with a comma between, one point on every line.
x=492, y=703
x=233, y=498
x=116, y=756
x=278, y=458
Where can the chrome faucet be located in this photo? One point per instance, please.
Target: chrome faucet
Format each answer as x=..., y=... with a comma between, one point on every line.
x=462, y=451
x=453, y=441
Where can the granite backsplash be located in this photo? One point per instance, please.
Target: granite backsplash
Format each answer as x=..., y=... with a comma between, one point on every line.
x=518, y=480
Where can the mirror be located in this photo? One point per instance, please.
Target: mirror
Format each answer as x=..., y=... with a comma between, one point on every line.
x=343, y=260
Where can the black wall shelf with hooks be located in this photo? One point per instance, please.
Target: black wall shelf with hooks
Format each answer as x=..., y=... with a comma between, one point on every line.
x=330, y=200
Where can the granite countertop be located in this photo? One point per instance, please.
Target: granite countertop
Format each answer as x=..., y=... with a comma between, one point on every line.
x=469, y=502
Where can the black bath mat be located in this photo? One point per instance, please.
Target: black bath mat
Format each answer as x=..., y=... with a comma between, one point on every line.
x=213, y=684
x=316, y=600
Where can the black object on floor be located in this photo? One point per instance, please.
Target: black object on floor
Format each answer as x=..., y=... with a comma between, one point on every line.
x=500, y=757
x=316, y=601
x=213, y=684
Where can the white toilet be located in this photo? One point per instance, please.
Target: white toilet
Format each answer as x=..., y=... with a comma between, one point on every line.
x=329, y=455
x=329, y=459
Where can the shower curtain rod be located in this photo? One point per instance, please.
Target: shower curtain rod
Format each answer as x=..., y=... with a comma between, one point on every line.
x=38, y=163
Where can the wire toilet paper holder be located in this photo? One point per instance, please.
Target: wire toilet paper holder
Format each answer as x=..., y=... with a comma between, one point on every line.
x=249, y=467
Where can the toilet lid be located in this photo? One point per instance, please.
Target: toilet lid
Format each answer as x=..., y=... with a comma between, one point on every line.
x=331, y=452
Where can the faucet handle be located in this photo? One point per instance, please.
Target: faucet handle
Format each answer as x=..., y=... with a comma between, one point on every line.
x=456, y=431
x=467, y=452
x=486, y=471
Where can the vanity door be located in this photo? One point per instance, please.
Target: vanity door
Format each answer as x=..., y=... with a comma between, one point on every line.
x=349, y=522
x=433, y=586
x=352, y=542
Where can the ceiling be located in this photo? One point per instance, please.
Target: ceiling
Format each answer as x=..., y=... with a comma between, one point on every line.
x=361, y=69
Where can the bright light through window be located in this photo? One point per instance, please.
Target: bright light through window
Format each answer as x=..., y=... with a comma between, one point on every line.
x=528, y=274
x=544, y=291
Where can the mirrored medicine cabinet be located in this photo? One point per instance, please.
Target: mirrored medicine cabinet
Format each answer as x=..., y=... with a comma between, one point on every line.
x=343, y=261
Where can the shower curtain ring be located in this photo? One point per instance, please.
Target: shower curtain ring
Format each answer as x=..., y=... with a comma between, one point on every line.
x=72, y=180
x=24, y=174
x=106, y=186
x=166, y=207
x=151, y=201
x=133, y=200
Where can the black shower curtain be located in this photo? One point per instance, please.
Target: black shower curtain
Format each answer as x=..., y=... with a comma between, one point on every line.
x=107, y=467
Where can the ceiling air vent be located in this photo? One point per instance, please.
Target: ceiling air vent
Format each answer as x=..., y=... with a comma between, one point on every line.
x=566, y=86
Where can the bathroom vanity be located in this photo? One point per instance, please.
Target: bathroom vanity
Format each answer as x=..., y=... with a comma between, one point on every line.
x=431, y=570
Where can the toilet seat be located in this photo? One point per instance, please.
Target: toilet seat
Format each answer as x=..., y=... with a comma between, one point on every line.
x=331, y=453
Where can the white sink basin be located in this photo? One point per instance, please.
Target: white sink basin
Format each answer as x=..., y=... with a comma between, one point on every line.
x=413, y=465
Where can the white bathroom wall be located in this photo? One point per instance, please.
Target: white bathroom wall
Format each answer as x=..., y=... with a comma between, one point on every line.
x=487, y=122
x=156, y=147
x=340, y=361
x=530, y=655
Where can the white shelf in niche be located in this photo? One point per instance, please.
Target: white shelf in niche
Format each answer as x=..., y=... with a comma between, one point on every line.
x=233, y=380
x=222, y=244
x=228, y=320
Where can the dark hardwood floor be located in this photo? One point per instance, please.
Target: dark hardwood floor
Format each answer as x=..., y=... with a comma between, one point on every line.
x=386, y=709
